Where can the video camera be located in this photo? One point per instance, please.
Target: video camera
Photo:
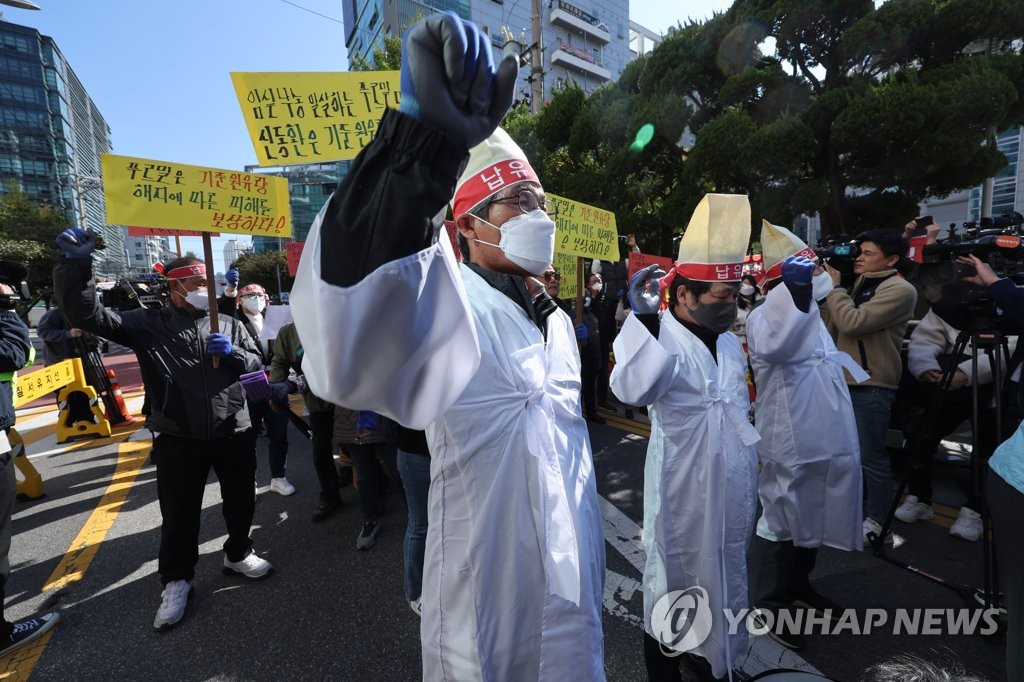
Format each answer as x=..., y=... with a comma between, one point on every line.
x=995, y=240
x=838, y=251
x=13, y=274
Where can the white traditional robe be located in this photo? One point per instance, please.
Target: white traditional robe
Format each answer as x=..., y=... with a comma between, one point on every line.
x=514, y=569
x=700, y=478
x=810, y=485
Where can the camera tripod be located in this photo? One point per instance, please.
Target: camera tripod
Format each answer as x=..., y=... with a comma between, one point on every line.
x=994, y=345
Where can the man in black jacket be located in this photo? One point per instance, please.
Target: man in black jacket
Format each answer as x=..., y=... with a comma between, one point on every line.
x=14, y=352
x=198, y=410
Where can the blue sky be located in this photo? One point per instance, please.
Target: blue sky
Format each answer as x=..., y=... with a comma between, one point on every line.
x=158, y=70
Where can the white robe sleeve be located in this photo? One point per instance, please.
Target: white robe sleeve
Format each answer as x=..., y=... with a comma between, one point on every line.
x=644, y=371
x=401, y=342
x=778, y=332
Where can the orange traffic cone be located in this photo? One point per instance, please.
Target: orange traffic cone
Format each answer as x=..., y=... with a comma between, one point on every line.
x=125, y=416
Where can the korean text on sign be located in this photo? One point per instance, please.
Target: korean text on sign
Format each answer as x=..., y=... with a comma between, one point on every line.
x=297, y=118
x=28, y=387
x=567, y=268
x=162, y=194
x=583, y=230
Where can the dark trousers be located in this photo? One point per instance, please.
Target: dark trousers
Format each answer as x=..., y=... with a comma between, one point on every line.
x=364, y=459
x=588, y=377
x=182, y=468
x=321, y=424
x=8, y=491
x=953, y=408
x=276, y=425
x=1006, y=505
x=780, y=572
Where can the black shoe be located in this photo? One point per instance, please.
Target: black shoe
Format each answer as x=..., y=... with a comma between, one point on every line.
x=629, y=413
x=822, y=606
x=325, y=507
x=28, y=630
x=791, y=640
x=597, y=419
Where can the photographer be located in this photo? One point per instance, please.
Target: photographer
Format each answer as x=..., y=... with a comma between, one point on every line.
x=615, y=282
x=868, y=322
x=1005, y=486
x=15, y=348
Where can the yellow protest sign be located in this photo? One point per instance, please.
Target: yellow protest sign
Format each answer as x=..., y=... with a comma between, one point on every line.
x=151, y=193
x=28, y=387
x=566, y=267
x=582, y=230
x=308, y=117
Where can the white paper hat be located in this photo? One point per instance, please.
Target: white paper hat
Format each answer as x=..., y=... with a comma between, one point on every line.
x=778, y=244
x=715, y=241
x=495, y=163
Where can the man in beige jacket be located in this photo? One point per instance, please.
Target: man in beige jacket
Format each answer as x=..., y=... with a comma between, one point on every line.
x=869, y=322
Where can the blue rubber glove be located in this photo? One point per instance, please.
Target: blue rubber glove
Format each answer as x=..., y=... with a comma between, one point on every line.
x=218, y=344
x=231, y=277
x=645, y=290
x=582, y=333
x=76, y=243
x=448, y=78
x=797, y=270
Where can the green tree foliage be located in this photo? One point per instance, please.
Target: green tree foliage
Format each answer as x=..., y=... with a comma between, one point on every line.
x=856, y=113
x=263, y=268
x=27, y=233
x=385, y=58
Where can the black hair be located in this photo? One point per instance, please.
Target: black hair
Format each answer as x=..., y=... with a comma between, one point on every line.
x=890, y=242
x=693, y=286
x=182, y=262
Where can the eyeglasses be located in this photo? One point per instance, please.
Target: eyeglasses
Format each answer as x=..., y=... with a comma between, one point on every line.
x=527, y=199
x=552, y=277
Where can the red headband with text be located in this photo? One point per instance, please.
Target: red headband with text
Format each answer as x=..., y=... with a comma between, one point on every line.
x=489, y=181
x=196, y=270
x=776, y=270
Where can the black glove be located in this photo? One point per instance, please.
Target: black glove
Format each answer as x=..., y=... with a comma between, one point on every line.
x=448, y=78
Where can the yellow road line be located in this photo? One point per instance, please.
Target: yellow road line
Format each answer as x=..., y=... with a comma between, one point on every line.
x=22, y=661
x=130, y=458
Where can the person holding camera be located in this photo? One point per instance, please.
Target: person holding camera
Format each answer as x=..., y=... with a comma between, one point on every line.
x=15, y=350
x=197, y=410
x=1004, y=485
x=868, y=323
x=475, y=353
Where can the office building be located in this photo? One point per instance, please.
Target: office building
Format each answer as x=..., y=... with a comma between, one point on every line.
x=309, y=186
x=586, y=42
x=51, y=137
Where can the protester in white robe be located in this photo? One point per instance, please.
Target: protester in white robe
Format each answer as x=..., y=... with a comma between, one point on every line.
x=810, y=482
x=477, y=354
x=700, y=476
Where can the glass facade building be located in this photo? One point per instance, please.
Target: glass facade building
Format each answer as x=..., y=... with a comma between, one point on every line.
x=51, y=136
x=309, y=186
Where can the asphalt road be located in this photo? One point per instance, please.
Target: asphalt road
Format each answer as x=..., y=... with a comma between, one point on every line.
x=331, y=612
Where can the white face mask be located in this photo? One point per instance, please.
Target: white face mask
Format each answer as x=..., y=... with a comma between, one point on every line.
x=198, y=299
x=747, y=290
x=254, y=305
x=821, y=285
x=527, y=240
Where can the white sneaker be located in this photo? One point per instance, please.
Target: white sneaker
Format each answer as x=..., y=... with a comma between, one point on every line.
x=281, y=486
x=252, y=566
x=911, y=510
x=417, y=607
x=172, y=605
x=968, y=525
x=871, y=526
